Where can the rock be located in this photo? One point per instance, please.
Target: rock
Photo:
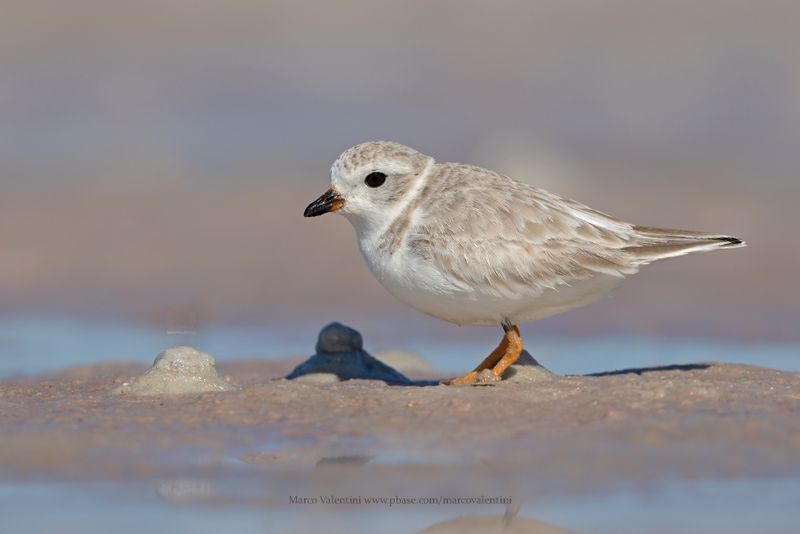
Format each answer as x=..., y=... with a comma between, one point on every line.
x=176, y=371
x=340, y=353
x=339, y=338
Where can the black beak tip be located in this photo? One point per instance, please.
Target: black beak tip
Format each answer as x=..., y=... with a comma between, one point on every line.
x=316, y=208
x=329, y=201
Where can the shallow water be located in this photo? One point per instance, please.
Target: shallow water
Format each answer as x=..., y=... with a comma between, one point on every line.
x=35, y=345
x=201, y=506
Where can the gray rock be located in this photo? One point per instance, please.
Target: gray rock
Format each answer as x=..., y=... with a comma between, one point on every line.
x=337, y=337
x=176, y=371
x=340, y=353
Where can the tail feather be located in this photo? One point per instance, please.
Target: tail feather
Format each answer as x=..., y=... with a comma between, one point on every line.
x=659, y=243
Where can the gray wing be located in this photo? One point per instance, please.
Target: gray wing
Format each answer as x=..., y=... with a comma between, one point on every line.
x=481, y=229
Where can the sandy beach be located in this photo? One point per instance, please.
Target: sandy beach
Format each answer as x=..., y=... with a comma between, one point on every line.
x=738, y=419
x=528, y=436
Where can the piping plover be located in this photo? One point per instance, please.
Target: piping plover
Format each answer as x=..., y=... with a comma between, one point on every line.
x=471, y=246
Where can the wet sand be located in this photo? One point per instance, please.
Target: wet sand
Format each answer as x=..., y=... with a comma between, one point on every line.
x=700, y=420
x=266, y=454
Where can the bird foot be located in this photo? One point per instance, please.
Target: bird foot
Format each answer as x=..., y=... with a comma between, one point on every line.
x=465, y=380
x=491, y=369
x=485, y=376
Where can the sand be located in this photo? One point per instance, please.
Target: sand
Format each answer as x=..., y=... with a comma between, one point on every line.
x=707, y=419
x=176, y=371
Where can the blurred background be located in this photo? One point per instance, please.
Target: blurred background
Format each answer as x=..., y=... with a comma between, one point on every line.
x=156, y=157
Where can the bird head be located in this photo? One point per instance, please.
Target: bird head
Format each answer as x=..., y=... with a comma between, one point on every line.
x=369, y=182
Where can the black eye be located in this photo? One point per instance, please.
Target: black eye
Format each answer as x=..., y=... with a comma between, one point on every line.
x=375, y=179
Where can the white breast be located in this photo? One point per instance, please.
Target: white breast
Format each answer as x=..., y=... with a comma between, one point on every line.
x=416, y=282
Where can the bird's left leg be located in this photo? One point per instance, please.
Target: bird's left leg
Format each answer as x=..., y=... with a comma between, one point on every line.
x=499, y=360
x=513, y=350
x=488, y=362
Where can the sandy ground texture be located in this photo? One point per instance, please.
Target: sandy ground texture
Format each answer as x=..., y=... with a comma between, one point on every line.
x=260, y=440
x=706, y=419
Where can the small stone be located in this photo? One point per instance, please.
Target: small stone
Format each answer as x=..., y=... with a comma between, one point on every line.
x=176, y=371
x=338, y=338
x=340, y=353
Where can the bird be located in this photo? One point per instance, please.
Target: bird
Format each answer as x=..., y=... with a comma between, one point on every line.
x=474, y=247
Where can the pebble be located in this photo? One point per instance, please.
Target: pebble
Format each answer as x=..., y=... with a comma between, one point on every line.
x=340, y=356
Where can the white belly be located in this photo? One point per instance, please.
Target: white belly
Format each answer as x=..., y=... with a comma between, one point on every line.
x=417, y=283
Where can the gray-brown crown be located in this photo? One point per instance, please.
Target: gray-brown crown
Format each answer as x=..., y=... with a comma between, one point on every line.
x=366, y=153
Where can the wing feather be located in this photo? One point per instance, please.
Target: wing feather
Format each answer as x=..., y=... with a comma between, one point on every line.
x=484, y=230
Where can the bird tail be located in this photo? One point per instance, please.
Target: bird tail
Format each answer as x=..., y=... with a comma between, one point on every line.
x=660, y=243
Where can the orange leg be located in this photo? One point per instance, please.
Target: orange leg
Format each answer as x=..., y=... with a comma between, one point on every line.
x=512, y=353
x=488, y=362
x=499, y=360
